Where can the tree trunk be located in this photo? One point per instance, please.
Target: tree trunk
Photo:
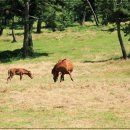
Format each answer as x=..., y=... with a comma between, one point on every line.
x=27, y=43
x=26, y=29
x=120, y=40
x=1, y=31
x=13, y=35
x=119, y=1
x=30, y=41
x=39, y=23
x=95, y=16
x=84, y=17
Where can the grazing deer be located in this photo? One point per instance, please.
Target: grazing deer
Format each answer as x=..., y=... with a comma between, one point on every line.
x=18, y=71
x=64, y=66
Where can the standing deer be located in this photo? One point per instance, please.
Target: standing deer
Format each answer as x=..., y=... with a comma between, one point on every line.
x=18, y=71
x=64, y=66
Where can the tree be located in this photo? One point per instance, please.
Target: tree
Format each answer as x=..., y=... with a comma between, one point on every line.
x=120, y=40
x=84, y=9
x=121, y=14
x=82, y=12
x=2, y=17
x=39, y=14
x=117, y=12
x=13, y=34
x=7, y=17
x=26, y=47
x=94, y=14
x=56, y=14
x=29, y=13
x=39, y=25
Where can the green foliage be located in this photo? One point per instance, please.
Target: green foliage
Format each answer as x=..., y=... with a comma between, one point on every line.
x=127, y=29
x=120, y=13
x=59, y=16
x=111, y=11
x=81, y=7
x=115, y=11
x=59, y=20
x=104, y=10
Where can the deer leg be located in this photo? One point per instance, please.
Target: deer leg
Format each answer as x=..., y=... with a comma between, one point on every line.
x=62, y=77
x=9, y=78
x=20, y=76
x=71, y=76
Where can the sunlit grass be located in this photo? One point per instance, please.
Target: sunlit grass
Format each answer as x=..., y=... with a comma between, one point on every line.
x=77, y=43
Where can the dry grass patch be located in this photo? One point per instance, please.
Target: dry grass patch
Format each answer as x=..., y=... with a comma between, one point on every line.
x=92, y=99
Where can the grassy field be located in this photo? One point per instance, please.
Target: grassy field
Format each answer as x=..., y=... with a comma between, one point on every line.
x=99, y=96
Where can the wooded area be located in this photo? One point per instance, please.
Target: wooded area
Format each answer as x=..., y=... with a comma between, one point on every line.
x=60, y=14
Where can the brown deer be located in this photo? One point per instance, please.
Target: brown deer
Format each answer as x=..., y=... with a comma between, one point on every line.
x=64, y=66
x=18, y=71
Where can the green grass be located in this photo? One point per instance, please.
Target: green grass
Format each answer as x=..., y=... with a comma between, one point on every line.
x=77, y=43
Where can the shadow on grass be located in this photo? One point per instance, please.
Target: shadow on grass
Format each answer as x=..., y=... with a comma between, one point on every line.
x=17, y=34
x=112, y=29
x=9, y=56
x=128, y=56
x=101, y=61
